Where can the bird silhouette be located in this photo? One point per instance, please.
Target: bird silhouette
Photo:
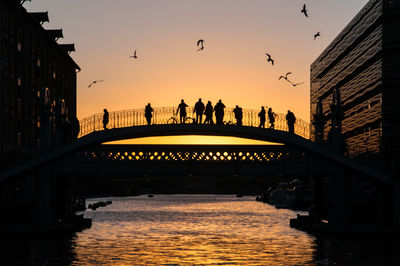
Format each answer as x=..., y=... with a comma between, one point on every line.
x=94, y=82
x=270, y=59
x=134, y=55
x=201, y=44
x=304, y=10
x=317, y=35
x=285, y=77
x=294, y=85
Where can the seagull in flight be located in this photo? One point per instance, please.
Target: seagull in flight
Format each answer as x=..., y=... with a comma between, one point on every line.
x=134, y=55
x=94, y=82
x=270, y=59
x=201, y=44
x=285, y=77
x=304, y=10
x=317, y=35
x=294, y=85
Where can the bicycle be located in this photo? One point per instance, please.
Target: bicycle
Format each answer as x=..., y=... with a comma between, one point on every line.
x=172, y=120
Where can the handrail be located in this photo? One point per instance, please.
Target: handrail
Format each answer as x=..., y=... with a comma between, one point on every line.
x=161, y=115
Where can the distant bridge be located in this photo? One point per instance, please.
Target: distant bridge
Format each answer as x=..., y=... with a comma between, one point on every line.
x=166, y=115
x=294, y=142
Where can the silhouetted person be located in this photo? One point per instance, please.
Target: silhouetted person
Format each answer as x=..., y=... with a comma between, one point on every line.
x=271, y=118
x=105, y=119
x=291, y=119
x=199, y=110
x=261, y=115
x=219, y=112
x=238, y=115
x=148, y=113
x=182, y=111
x=209, y=114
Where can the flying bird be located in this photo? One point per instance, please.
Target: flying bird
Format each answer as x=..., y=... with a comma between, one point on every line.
x=317, y=35
x=201, y=44
x=270, y=59
x=134, y=55
x=94, y=82
x=285, y=77
x=304, y=10
x=294, y=85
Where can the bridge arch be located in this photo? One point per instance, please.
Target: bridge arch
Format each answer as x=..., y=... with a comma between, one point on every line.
x=99, y=137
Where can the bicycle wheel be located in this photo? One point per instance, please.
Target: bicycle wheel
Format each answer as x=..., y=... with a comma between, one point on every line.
x=172, y=120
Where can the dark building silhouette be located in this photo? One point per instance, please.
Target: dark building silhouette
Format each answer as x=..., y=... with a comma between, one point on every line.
x=363, y=63
x=31, y=61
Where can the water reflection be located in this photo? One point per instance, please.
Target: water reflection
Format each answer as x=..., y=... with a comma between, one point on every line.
x=194, y=229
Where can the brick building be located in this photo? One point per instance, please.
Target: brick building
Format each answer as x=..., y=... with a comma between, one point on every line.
x=32, y=64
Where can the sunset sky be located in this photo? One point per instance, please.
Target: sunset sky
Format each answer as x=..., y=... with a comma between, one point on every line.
x=232, y=67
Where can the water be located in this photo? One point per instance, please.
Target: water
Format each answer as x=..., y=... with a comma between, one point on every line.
x=194, y=230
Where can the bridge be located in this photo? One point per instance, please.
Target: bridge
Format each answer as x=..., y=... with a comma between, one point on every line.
x=166, y=115
x=88, y=156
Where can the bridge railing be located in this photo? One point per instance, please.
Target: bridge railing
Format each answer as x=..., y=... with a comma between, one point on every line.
x=166, y=115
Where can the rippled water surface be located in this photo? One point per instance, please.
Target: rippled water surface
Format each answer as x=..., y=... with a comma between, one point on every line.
x=194, y=230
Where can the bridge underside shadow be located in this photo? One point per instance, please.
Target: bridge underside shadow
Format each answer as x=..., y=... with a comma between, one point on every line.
x=125, y=169
x=189, y=160
x=292, y=141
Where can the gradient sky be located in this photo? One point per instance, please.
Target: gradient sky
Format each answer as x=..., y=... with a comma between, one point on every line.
x=232, y=67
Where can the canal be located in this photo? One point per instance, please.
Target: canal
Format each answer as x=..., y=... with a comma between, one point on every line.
x=193, y=230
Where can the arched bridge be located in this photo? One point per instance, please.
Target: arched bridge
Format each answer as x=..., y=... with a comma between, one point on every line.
x=293, y=141
x=166, y=115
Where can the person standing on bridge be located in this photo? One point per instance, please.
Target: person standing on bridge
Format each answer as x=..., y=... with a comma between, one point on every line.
x=238, y=115
x=182, y=111
x=105, y=118
x=148, y=113
x=219, y=112
x=261, y=115
x=271, y=118
x=291, y=120
x=199, y=110
x=209, y=114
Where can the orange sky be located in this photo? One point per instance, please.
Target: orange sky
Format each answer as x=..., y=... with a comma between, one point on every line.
x=232, y=66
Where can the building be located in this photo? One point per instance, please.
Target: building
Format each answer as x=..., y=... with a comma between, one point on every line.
x=363, y=65
x=32, y=65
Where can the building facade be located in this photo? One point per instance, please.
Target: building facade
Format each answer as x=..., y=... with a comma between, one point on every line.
x=362, y=66
x=35, y=72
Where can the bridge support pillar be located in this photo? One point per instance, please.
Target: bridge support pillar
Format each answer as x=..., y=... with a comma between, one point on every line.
x=339, y=210
x=45, y=212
